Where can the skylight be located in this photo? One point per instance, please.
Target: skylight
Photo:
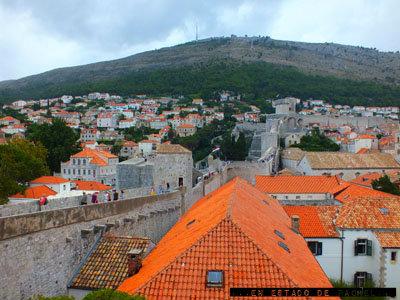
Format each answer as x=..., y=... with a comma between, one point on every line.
x=215, y=278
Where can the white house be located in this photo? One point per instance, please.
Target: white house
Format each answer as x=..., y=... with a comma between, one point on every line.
x=58, y=184
x=355, y=242
x=90, y=164
x=107, y=120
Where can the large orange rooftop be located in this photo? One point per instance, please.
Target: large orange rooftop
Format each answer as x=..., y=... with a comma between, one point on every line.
x=35, y=192
x=238, y=230
x=289, y=184
x=49, y=180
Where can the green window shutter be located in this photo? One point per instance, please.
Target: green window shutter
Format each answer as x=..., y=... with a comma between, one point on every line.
x=369, y=247
x=355, y=247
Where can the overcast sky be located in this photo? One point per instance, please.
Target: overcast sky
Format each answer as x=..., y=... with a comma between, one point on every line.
x=39, y=35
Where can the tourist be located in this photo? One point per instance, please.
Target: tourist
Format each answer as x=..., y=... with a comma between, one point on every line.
x=168, y=187
x=84, y=199
x=115, y=195
x=122, y=195
x=153, y=192
x=94, y=198
x=107, y=197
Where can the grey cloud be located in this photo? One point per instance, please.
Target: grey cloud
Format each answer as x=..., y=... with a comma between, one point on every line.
x=36, y=35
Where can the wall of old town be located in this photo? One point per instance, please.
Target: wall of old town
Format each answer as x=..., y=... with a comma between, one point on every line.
x=42, y=250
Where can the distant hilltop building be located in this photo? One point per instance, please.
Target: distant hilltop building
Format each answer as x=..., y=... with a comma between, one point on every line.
x=285, y=106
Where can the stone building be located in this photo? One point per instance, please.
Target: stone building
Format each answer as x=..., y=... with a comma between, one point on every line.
x=347, y=165
x=90, y=164
x=172, y=164
x=185, y=130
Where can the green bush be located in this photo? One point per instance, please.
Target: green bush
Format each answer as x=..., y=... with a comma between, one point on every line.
x=108, y=294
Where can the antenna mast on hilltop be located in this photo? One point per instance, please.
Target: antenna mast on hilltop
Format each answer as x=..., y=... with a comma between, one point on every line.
x=197, y=32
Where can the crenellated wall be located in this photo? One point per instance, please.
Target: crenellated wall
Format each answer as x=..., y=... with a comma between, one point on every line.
x=41, y=250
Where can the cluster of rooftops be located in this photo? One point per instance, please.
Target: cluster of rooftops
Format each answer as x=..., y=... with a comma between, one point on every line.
x=240, y=235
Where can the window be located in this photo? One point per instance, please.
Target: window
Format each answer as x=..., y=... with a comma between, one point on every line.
x=84, y=161
x=284, y=246
x=361, y=278
x=73, y=161
x=297, y=197
x=64, y=171
x=286, y=197
x=180, y=181
x=215, y=278
x=358, y=174
x=69, y=171
x=393, y=256
x=79, y=171
x=79, y=161
x=73, y=171
x=315, y=247
x=363, y=247
x=84, y=172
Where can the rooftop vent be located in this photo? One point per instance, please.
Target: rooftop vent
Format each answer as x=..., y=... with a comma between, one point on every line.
x=190, y=222
x=295, y=222
x=384, y=211
x=284, y=246
x=134, y=261
x=280, y=234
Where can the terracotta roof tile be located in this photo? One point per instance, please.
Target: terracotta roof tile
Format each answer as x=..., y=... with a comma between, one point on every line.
x=172, y=148
x=370, y=212
x=289, y=184
x=107, y=265
x=315, y=221
x=231, y=229
x=342, y=160
x=388, y=239
x=86, y=185
x=35, y=192
x=353, y=191
x=49, y=180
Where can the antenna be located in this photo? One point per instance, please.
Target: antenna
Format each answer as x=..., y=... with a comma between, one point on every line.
x=197, y=32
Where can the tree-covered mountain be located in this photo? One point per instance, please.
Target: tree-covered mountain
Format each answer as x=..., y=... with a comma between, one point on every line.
x=256, y=67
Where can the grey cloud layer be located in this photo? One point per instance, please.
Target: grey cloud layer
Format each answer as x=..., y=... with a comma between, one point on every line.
x=37, y=35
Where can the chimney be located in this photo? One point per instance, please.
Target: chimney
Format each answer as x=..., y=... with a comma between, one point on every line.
x=134, y=261
x=295, y=223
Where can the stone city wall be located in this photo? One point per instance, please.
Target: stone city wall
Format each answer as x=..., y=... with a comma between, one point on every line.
x=41, y=250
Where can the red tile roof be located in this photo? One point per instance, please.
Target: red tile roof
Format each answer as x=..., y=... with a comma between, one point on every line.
x=315, y=221
x=231, y=229
x=49, y=180
x=98, y=157
x=369, y=212
x=35, y=192
x=107, y=265
x=289, y=184
x=353, y=191
x=388, y=239
x=86, y=185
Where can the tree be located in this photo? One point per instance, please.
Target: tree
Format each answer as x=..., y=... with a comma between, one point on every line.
x=59, y=140
x=234, y=150
x=116, y=148
x=317, y=141
x=384, y=184
x=20, y=162
x=108, y=294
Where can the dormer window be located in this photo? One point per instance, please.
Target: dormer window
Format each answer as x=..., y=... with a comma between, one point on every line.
x=215, y=278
